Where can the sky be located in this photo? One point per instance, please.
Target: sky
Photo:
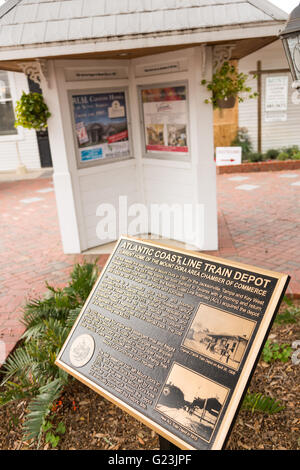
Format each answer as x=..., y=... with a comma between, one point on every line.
x=286, y=5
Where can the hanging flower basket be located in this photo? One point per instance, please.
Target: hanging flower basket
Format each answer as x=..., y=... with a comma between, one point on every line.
x=226, y=103
x=227, y=86
x=32, y=112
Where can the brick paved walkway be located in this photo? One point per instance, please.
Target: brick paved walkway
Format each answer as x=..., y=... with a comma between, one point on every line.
x=30, y=250
x=259, y=224
x=259, y=221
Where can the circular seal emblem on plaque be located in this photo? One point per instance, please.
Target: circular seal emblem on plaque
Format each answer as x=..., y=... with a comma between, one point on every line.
x=82, y=350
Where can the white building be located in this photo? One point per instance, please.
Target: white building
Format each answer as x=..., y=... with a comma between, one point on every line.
x=279, y=109
x=122, y=79
x=15, y=140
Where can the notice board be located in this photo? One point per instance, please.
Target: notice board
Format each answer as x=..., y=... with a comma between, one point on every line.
x=100, y=126
x=173, y=337
x=165, y=118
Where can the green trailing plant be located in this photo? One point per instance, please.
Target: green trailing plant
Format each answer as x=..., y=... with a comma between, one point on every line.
x=275, y=351
x=226, y=83
x=53, y=433
x=29, y=372
x=257, y=402
x=31, y=111
x=285, y=153
x=290, y=315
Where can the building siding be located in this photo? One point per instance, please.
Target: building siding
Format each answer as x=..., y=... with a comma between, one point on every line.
x=26, y=139
x=274, y=134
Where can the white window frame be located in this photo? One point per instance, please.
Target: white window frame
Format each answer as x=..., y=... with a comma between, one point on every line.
x=20, y=132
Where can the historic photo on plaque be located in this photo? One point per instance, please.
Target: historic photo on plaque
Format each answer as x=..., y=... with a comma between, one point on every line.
x=220, y=335
x=192, y=401
x=172, y=337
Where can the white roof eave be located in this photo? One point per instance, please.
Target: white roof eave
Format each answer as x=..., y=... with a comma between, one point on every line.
x=88, y=46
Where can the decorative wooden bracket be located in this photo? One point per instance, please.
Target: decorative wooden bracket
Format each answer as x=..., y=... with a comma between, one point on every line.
x=221, y=54
x=37, y=71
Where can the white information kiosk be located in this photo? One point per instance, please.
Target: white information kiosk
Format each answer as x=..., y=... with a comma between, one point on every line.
x=132, y=146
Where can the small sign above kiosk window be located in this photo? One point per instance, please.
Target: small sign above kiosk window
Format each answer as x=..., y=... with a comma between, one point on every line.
x=178, y=65
x=101, y=126
x=73, y=75
x=165, y=121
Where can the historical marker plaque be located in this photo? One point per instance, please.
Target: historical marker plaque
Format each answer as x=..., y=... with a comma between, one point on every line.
x=173, y=337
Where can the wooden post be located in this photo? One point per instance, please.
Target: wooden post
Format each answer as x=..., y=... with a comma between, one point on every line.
x=259, y=110
x=259, y=72
x=226, y=122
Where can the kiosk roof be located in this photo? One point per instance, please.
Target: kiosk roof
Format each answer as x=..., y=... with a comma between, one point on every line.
x=52, y=28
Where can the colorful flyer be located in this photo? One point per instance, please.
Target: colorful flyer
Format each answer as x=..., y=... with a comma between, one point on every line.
x=101, y=125
x=165, y=119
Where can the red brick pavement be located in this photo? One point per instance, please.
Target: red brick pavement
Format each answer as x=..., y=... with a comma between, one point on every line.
x=30, y=251
x=261, y=226
x=258, y=227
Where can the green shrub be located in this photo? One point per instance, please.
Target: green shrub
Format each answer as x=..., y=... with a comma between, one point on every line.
x=285, y=153
x=291, y=150
x=283, y=156
x=29, y=372
x=288, y=153
x=271, y=154
x=255, y=157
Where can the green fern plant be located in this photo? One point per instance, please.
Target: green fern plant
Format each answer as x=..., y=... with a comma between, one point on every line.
x=30, y=372
x=39, y=408
x=261, y=403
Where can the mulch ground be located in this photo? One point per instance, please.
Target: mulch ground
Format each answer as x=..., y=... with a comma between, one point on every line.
x=94, y=423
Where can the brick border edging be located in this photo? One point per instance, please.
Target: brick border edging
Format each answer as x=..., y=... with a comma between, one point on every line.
x=259, y=166
x=292, y=296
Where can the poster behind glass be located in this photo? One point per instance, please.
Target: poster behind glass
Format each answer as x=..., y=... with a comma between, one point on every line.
x=165, y=119
x=101, y=126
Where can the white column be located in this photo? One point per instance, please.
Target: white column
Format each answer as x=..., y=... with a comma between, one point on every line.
x=62, y=177
x=204, y=168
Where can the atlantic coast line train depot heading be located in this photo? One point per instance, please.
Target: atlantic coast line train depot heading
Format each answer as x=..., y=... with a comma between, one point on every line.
x=173, y=337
